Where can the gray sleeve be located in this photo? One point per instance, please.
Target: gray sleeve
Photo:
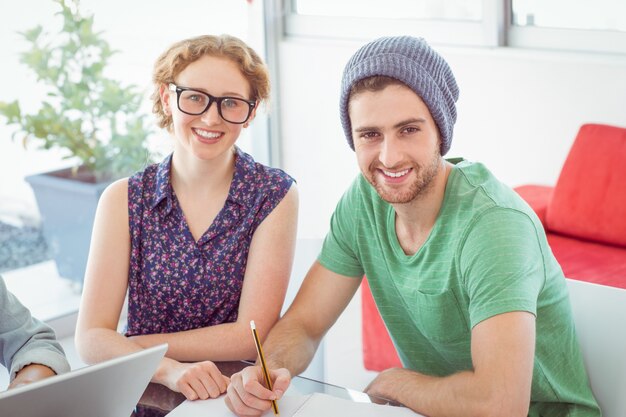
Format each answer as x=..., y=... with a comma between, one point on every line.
x=24, y=340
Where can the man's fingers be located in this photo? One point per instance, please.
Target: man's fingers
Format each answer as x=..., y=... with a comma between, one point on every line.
x=249, y=391
x=281, y=380
x=253, y=381
x=252, y=400
x=237, y=406
x=247, y=394
x=229, y=404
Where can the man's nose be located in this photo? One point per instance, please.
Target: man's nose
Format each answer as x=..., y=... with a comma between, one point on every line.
x=390, y=153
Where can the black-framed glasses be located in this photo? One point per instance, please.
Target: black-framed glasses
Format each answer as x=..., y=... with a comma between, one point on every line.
x=194, y=102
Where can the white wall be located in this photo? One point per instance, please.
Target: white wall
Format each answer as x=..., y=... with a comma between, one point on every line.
x=518, y=112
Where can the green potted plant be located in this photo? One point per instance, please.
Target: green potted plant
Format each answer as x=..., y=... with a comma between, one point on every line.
x=94, y=119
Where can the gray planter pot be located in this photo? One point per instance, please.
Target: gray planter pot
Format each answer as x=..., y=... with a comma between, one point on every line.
x=67, y=206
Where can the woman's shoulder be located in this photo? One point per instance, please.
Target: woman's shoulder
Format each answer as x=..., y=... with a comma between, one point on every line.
x=261, y=175
x=116, y=189
x=153, y=176
x=149, y=173
x=115, y=196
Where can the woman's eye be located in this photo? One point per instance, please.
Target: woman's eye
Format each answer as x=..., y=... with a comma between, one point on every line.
x=194, y=97
x=230, y=103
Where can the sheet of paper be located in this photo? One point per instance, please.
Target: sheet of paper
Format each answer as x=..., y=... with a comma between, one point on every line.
x=328, y=406
x=314, y=405
x=217, y=407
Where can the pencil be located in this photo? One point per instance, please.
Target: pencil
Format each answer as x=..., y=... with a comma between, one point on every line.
x=259, y=350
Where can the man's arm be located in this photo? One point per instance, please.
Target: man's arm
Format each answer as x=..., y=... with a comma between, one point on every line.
x=503, y=349
x=320, y=301
x=31, y=373
x=292, y=342
x=26, y=341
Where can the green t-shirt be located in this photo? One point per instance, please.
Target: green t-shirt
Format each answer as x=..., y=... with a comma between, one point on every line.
x=487, y=254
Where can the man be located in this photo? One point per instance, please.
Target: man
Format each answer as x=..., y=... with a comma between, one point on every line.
x=28, y=348
x=458, y=264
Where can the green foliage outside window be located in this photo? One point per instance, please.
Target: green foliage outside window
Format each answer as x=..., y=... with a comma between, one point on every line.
x=95, y=118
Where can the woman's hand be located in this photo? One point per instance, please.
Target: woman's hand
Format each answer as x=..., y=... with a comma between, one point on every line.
x=198, y=380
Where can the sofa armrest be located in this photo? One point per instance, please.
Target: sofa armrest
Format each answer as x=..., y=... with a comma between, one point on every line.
x=538, y=198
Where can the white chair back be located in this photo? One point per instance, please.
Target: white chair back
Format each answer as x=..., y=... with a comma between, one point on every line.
x=600, y=318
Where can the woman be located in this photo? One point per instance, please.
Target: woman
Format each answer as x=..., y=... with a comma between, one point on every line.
x=203, y=242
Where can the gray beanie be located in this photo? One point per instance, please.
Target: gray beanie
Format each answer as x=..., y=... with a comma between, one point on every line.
x=413, y=62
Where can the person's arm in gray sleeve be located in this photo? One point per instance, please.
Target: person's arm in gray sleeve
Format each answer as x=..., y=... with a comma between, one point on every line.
x=24, y=340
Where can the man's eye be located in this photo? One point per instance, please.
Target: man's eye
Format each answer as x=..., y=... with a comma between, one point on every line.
x=369, y=135
x=410, y=129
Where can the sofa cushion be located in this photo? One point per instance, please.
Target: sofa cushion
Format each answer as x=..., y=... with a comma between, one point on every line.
x=589, y=199
x=538, y=197
x=589, y=261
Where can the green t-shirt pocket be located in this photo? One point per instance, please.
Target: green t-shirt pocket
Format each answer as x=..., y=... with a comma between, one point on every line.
x=438, y=317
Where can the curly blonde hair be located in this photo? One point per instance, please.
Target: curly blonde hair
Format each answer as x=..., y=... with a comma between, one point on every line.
x=178, y=56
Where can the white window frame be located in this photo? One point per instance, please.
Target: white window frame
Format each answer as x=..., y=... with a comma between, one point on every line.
x=495, y=30
x=268, y=19
x=488, y=32
x=578, y=40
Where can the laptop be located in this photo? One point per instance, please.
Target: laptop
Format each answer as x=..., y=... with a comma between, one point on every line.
x=107, y=389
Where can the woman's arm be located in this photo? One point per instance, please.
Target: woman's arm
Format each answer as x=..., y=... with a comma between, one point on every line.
x=265, y=284
x=106, y=280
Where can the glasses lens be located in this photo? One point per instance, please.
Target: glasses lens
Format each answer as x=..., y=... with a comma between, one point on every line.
x=234, y=110
x=193, y=102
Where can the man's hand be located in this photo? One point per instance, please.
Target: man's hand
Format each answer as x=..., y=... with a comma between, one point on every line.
x=199, y=380
x=31, y=373
x=247, y=394
x=386, y=384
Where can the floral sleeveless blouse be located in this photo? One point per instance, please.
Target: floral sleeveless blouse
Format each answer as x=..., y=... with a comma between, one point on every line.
x=175, y=283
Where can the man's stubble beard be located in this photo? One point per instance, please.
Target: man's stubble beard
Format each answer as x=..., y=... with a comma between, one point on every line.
x=420, y=186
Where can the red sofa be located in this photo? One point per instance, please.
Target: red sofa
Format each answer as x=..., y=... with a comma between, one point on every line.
x=584, y=216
